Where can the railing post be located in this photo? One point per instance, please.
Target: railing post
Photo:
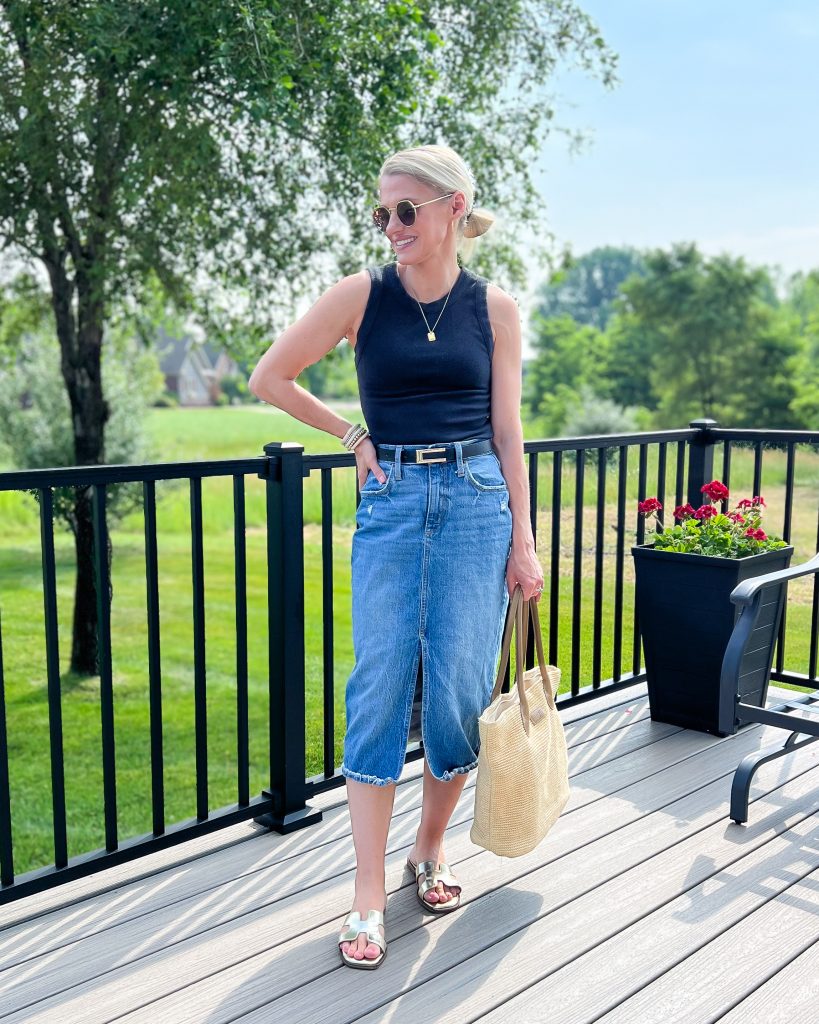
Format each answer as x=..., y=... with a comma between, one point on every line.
x=285, y=597
x=700, y=460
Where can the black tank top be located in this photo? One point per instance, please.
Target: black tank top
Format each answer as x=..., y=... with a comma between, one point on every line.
x=416, y=391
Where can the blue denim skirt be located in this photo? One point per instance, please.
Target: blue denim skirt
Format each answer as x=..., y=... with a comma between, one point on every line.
x=429, y=557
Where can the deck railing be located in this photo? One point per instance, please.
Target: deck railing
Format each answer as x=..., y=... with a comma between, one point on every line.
x=589, y=617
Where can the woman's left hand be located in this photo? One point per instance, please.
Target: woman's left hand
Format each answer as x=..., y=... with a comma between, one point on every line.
x=523, y=567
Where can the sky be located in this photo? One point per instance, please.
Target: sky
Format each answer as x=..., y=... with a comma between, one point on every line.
x=710, y=136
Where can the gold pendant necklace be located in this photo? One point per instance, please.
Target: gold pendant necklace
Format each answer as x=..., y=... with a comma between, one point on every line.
x=431, y=330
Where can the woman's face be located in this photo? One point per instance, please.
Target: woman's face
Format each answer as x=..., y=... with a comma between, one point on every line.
x=432, y=222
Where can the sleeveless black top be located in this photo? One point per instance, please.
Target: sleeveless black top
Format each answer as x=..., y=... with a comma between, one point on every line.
x=416, y=391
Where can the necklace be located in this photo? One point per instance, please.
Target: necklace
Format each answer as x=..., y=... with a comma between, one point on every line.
x=431, y=330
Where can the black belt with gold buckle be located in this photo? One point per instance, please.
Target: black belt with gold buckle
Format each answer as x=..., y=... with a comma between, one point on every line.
x=438, y=453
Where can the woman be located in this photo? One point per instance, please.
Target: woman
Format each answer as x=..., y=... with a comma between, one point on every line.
x=443, y=532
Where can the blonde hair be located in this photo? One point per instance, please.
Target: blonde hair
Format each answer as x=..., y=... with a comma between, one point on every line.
x=442, y=168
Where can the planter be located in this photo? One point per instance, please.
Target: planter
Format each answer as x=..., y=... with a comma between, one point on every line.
x=686, y=619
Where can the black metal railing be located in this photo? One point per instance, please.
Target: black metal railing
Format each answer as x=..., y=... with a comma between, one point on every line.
x=580, y=618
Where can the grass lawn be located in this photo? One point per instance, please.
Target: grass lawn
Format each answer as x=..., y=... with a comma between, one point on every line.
x=185, y=435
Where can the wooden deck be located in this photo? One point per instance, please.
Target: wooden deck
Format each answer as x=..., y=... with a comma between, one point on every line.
x=645, y=903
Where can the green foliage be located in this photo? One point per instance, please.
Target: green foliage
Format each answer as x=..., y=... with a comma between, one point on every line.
x=721, y=350
x=717, y=536
x=706, y=531
x=631, y=349
x=224, y=146
x=568, y=356
x=333, y=376
x=590, y=414
x=234, y=389
x=803, y=301
x=35, y=415
x=586, y=287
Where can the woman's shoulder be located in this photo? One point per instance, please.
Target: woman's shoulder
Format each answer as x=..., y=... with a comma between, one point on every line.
x=500, y=303
x=494, y=293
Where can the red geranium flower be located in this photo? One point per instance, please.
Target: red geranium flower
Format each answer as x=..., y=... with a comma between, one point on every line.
x=745, y=503
x=716, y=490
x=648, y=506
x=705, y=512
x=683, y=511
x=756, y=534
x=758, y=500
x=736, y=517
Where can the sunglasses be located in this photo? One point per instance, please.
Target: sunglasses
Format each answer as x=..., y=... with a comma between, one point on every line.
x=405, y=209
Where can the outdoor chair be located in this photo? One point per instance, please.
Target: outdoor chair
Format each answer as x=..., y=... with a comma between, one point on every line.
x=762, y=600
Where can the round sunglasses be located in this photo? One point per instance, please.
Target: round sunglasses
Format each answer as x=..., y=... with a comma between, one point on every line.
x=405, y=209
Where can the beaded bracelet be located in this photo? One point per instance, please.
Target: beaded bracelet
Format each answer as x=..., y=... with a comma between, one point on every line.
x=354, y=435
x=358, y=440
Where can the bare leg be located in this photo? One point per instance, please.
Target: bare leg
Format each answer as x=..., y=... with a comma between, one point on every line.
x=439, y=801
x=370, y=815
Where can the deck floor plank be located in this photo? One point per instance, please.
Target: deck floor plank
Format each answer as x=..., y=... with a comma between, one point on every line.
x=789, y=995
x=249, y=932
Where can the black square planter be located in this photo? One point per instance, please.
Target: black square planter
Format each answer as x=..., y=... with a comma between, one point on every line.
x=686, y=618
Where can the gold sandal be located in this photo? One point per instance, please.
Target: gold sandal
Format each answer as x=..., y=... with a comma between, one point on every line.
x=353, y=927
x=427, y=875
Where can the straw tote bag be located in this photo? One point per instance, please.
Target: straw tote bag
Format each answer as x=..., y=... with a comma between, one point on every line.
x=523, y=770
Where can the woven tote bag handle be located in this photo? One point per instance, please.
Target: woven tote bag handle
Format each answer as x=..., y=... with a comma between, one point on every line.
x=511, y=612
x=514, y=617
x=541, y=660
x=515, y=607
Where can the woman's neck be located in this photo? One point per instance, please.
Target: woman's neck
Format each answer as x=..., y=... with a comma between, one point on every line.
x=430, y=280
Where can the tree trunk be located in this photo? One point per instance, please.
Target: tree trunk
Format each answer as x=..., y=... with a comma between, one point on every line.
x=80, y=335
x=84, y=647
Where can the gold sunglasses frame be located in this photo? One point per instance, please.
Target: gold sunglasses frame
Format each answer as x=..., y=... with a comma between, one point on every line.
x=394, y=209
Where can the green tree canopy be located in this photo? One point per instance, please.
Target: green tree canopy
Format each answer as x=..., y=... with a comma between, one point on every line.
x=722, y=350
x=803, y=303
x=586, y=287
x=568, y=356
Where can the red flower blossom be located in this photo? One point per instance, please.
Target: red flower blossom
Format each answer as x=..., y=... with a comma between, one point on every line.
x=716, y=490
x=705, y=512
x=756, y=534
x=758, y=500
x=745, y=503
x=683, y=511
x=648, y=506
x=736, y=517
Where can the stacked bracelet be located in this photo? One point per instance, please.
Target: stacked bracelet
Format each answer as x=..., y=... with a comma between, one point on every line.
x=355, y=435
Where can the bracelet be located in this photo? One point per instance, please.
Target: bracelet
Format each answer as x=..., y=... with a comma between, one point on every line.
x=359, y=440
x=354, y=435
x=350, y=432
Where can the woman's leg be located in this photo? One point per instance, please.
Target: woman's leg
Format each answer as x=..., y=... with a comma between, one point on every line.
x=370, y=815
x=438, y=803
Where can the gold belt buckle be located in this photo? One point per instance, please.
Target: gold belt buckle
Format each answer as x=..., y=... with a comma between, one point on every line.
x=421, y=452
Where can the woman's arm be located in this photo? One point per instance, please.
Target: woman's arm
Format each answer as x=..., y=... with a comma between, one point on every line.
x=335, y=315
x=523, y=566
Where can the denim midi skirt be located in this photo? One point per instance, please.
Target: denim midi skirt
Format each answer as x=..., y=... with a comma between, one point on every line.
x=429, y=557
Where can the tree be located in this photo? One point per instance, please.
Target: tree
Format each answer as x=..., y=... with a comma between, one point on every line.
x=223, y=145
x=803, y=302
x=722, y=350
x=586, y=287
x=632, y=345
x=568, y=356
x=35, y=415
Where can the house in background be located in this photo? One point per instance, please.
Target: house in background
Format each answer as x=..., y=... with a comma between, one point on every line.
x=193, y=370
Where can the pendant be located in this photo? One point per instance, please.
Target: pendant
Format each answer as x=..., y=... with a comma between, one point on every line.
x=431, y=336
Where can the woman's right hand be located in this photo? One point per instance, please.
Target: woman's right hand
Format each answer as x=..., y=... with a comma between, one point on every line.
x=366, y=459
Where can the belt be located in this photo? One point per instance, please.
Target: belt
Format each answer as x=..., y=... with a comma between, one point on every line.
x=439, y=453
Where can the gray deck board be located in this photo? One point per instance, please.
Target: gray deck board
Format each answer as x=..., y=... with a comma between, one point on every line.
x=619, y=915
